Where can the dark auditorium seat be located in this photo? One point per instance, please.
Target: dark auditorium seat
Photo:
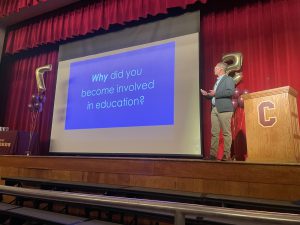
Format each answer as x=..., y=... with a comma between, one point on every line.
x=45, y=216
x=31, y=214
x=96, y=222
x=5, y=206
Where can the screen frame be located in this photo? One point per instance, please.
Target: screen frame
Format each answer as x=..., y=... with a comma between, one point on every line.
x=189, y=22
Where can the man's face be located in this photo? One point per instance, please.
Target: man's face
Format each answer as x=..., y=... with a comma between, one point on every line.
x=217, y=70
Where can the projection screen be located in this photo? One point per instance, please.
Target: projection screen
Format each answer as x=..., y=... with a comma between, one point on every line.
x=141, y=100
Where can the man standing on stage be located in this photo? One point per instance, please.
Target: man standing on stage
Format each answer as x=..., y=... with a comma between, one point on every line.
x=221, y=111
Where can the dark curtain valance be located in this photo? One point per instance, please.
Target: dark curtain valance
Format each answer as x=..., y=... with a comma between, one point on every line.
x=12, y=6
x=85, y=19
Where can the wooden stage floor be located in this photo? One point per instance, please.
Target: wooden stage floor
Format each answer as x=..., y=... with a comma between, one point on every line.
x=268, y=181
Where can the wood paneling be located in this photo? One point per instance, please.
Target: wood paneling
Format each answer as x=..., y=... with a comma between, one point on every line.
x=223, y=187
x=249, y=172
x=41, y=173
x=113, y=178
x=9, y=171
x=153, y=182
x=274, y=191
x=190, y=185
x=66, y=175
x=132, y=166
x=256, y=180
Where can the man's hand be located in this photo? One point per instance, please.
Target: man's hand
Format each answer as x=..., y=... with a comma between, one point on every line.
x=211, y=93
x=203, y=92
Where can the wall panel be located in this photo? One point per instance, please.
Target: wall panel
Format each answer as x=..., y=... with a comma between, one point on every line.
x=265, y=181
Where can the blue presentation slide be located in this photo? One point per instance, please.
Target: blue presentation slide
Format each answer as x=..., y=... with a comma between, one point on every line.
x=134, y=88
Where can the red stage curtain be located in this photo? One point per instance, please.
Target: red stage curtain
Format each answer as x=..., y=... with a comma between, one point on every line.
x=20, y=84
x=92, y=16
x=12, y=6
x=268, y=34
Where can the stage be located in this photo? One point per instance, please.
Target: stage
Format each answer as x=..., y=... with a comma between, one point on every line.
x=267, y=181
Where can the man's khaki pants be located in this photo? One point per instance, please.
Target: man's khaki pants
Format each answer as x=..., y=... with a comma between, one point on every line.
x=220, y=120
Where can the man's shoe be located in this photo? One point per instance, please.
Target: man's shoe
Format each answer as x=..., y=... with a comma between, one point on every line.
x=212, y=157
x=226, y=158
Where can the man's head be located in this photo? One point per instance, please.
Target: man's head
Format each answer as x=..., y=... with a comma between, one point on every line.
x=220, y=68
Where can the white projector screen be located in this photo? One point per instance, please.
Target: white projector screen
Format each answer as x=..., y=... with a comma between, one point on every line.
x=138, y=100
